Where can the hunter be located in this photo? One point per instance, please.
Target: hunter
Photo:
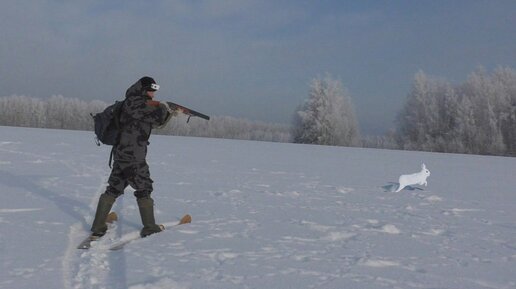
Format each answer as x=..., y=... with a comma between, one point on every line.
x=140, y=114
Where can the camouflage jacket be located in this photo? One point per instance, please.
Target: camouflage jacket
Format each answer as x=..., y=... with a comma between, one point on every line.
x=139, y=115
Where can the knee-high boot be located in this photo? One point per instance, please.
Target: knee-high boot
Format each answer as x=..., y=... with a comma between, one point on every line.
x=105, y=204
x=146, y=206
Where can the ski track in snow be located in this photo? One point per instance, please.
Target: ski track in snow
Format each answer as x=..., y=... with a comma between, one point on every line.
x=285, y=219
x=81, y=269
x=96, y=267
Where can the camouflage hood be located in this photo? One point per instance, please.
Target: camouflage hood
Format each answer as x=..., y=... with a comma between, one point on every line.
x=137, y=120
x=135, y=90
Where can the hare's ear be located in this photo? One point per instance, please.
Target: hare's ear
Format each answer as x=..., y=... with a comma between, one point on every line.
x=423, y=166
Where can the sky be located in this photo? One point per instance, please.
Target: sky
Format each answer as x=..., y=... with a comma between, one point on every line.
x=250, y=59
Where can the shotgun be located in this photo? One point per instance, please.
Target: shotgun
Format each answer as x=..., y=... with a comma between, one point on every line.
x=187, y=111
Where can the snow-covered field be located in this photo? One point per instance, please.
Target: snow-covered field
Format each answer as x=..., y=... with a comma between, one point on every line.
x=265, y=215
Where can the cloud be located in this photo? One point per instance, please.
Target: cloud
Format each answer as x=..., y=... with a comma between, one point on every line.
x=244, y=57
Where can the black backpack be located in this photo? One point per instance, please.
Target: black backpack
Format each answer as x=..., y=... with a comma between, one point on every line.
x=107, y=126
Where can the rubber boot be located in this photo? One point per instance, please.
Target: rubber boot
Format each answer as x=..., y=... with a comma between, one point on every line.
x=146, y=206
x=105, y=204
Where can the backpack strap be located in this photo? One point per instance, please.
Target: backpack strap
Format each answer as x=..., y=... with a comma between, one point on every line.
x=118, y=126
x=111, y=156
x=117, y=117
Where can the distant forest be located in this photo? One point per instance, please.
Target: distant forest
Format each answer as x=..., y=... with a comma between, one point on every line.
x=60, y=112
x=474, y=117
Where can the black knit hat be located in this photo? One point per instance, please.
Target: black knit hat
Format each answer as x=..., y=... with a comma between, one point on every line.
x=148, y=83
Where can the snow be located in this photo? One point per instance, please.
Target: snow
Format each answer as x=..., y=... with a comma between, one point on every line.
x=265, y=215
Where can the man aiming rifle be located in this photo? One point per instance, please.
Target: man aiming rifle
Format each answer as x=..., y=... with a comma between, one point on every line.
x=138, y=115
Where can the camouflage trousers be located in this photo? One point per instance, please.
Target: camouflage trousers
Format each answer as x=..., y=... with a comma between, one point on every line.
x=136, y=175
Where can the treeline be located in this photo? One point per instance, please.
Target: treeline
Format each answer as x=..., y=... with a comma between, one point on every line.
x=56, y=112
x=227, y=127
x=59, y=112
x=474, y=117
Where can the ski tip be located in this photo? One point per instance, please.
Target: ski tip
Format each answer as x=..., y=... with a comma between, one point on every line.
x=86, y=244
x=186, y=219
x=112, y=217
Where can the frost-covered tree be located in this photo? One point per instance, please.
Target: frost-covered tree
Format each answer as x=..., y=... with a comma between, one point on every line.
x=484, y=95
x=504, y=79
x=419, y=118
x=19, y=110
x=227, y=127
x=327, y=117
x=70, y=113
x=478, y=116
x=55, y=112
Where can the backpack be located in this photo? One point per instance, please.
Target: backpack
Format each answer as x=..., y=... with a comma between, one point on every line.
x=107, y=126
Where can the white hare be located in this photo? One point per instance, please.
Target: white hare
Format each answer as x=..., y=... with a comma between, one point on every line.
x=414, y=179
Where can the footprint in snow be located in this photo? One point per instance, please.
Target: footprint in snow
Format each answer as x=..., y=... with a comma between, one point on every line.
x=375, y=225
x=377, y=263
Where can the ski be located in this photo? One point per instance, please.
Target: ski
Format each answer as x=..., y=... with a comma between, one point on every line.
x=86, y=244
x=130, y=237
